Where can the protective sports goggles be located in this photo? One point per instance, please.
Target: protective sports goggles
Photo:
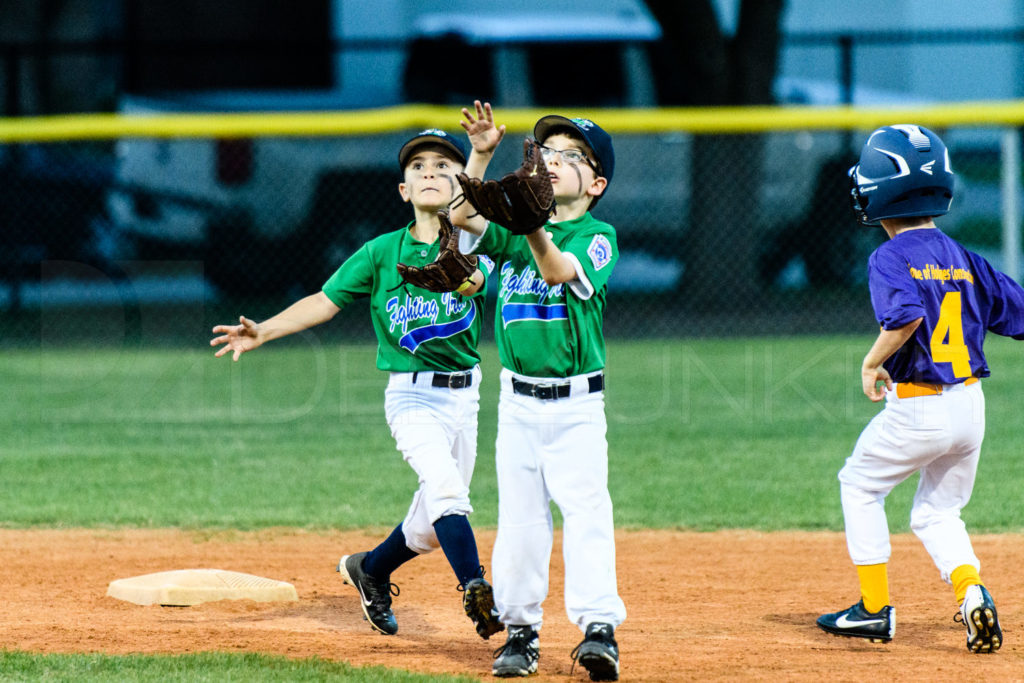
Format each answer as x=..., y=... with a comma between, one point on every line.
x=569, y=156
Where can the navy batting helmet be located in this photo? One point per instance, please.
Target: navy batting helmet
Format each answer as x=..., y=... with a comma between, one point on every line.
x=904, y=171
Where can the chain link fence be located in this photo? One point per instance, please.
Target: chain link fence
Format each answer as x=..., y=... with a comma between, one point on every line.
x=156, y=239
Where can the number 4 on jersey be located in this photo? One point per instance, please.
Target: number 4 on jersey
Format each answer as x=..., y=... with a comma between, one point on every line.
x=947, y=343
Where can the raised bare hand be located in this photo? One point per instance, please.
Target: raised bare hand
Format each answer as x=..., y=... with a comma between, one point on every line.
x=483, y=134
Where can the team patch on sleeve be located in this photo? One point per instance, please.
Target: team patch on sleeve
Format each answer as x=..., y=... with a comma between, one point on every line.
x=600, y=251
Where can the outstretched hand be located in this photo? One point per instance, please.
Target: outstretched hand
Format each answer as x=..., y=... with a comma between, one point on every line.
x=483, y=134
x=237, y=338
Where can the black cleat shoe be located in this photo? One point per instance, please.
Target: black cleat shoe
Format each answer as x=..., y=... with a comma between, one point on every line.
x=599, y=653
x=857, y=622
x=374, y=594
x=519, y=655
x=478, y=602
x=978, y=613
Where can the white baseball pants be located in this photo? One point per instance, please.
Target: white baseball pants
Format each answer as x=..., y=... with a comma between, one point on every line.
x=554, y=450
x=939, y=436
x=435, y=429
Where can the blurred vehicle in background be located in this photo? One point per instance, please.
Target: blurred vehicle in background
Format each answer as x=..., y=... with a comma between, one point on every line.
x=266, y=214
x=52, y=208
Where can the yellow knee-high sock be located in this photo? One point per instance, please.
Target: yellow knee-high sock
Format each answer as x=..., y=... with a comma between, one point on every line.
x=963, y=577
x=874, y=585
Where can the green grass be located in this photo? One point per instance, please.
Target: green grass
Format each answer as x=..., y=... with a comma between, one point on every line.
x=751, y=433
x=214, y=667
x=704, y=434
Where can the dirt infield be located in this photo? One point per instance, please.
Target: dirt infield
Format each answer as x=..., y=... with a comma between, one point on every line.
x=702, y=606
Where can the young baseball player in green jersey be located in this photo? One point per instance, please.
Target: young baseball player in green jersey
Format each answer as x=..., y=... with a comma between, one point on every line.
x=428, y=345
x=551, y=441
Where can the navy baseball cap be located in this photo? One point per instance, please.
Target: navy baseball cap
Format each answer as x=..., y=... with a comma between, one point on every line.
x=595, y=137
x=432, y=136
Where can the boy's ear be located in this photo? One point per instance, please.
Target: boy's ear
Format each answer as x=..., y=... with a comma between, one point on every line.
x=597, y=187
x=403, y=190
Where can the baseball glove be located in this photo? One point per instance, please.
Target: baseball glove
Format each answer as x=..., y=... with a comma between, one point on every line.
x=521, y=201
x=450, y=270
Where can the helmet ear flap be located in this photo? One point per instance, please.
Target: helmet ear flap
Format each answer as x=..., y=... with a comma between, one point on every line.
x=858, y=203
x=858, y=200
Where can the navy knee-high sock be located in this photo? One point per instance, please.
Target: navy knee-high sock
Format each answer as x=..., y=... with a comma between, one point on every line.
x=388, y=556
x=459, y=546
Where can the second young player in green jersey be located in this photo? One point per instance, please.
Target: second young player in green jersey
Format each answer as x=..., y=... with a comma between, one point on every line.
x=428, y=344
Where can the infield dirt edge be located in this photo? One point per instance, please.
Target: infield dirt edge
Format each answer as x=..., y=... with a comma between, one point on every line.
x=721, y=605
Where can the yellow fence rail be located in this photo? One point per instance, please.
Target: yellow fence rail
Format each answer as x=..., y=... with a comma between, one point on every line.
x=723, y=120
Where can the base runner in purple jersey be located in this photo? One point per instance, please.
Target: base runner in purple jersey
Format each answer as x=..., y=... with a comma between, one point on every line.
x=935, y=301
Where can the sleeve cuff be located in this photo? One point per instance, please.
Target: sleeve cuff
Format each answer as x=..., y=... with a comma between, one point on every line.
x=581, y=286
x=468, y=242
x=901, y=318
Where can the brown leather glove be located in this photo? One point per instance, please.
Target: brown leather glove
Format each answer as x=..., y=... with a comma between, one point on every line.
x=521, y=201
x=450, y=270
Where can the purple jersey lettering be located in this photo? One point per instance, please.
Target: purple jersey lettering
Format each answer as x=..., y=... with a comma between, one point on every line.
x=960, y=296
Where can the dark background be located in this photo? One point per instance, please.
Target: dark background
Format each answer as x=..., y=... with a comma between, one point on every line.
x=741, y=266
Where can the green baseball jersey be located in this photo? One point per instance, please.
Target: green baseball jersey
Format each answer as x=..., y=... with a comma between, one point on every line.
x=545, y=331
x=417, y=330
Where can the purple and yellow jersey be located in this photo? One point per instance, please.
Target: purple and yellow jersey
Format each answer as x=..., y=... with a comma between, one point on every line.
x=417, y=330
x=960, y=296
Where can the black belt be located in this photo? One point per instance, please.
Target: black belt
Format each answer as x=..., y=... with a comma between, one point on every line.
x=552, y=391
x=455, y=380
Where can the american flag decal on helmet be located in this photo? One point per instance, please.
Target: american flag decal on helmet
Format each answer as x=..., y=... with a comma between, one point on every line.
x=917, y=138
